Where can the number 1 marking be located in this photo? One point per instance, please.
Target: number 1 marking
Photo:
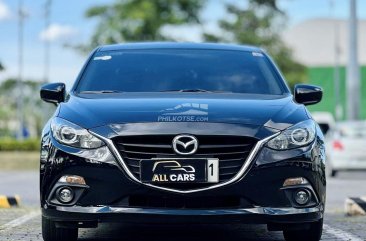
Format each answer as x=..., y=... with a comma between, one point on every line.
x=213, y=170
x=211, y=167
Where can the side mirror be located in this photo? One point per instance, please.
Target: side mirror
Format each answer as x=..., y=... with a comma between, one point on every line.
x=308, y=94
x=53, y=93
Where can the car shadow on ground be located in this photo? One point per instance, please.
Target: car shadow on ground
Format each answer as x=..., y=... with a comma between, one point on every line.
x=118, y=232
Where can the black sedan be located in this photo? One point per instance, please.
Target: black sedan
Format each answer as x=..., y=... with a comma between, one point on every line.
x=178, y=133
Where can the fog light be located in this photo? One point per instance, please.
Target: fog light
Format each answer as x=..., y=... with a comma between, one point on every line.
x=65, y=195
x=302, y=197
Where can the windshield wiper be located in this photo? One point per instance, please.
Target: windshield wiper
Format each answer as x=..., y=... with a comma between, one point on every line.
x=181, y=90
x=100, y=91
x=196, y=90
x=186, y=90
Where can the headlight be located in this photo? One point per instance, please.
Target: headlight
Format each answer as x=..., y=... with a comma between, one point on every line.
x=73, y=135
x=295, y=136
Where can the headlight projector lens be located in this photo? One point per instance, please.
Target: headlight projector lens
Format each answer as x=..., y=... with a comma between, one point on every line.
x=299, y=136
x=68, y=134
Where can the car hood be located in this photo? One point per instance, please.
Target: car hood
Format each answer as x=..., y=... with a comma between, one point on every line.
x=94, y=110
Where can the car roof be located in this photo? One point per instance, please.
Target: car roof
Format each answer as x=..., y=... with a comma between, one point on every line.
x=176, y=45
x=351, y=124
x=323, y=117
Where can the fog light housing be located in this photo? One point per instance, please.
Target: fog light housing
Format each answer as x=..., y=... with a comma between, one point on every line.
x=65, y=195
x=302, y=197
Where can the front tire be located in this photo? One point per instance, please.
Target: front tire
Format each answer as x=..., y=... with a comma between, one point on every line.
x=52, y=233
x=312, y=234
x=333, y=173
x=330, y=171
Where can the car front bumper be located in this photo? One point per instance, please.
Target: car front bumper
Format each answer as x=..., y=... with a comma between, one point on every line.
x=261, y=196
x=258, y=215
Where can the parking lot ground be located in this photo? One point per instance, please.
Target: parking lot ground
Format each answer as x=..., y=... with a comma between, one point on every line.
x=24, y=224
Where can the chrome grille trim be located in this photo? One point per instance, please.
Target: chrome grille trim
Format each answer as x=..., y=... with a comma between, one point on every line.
x=134, y=148
x=239, y=174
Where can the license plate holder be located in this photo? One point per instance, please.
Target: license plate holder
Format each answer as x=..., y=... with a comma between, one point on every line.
x=179, y=170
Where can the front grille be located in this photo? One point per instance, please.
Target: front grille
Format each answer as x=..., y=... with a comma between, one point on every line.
x=184, y=202
x=232, y=152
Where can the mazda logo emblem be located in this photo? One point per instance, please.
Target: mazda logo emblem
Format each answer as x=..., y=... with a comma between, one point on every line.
x=185, y=144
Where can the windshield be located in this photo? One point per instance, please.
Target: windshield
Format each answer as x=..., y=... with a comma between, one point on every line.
x=160, y=70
